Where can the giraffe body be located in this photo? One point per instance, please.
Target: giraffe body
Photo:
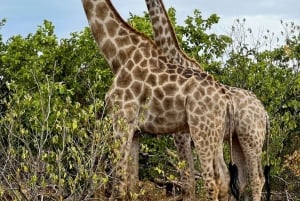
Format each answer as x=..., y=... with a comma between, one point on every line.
x=250, y=117
x=150, y=94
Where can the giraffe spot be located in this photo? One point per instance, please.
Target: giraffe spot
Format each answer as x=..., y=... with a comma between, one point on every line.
x=98, y=32
x=173, y=52
x=210, y=90
x=122, y=41
x=88, y=7
x=136, y=88
x=124, y=79
x=140, y=73
x=153, y=53
x=122, y=55
x=205, y=83
x=112, y=27
x=179, y=102
x=109, y=49
x=115, y=66
x=102, y=10
x=197, y=95
x=135, y=40
x=160, y=120
x=179, y=70
x=158, y=93
x=173, y=78
x=168, y=103
x=117, y=94
x=144, y=64
x=152, y=80
x=128, y=95
x=171, y=115
x=153, y=63
x=156, y=107
x=170, y=89
x=146, y=52
x=163, y=78
x=123, y=32
x=137, y=56
x=130, y=65
x=147, y=93
x=216, y=97
x=187, y=73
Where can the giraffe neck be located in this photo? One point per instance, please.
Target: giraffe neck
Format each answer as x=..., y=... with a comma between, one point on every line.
x=165, y=37
x=114, y=37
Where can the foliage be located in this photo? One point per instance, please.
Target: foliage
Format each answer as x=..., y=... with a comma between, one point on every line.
x=53, y=125
x=55, y=136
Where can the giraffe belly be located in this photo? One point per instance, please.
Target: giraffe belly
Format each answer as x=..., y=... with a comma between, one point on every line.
x=165, y=123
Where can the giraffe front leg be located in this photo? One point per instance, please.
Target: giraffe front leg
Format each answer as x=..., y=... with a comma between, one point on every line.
x=206, y=148
x=124, y=127
x=134, y=166
x=184, y=150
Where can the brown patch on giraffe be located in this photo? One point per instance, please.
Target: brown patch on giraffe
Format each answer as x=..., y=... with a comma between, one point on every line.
x=122, y=41
x=153, y=53
x=124, y=80
x=156, y=107
x=109, y=48
x=136, y=88
x=102, y=11
x=210, y=90
x=135, y=40
x=168, y=103
x=188, y=87
x=98, y=31
x=197, y=95
x=173, y=78
x=118, y=93
x=216, y=97
x=123, y=32
x=130, y=65
x=128, y=95
x=187, y=73
x=170, y=89
x=152, y=80
x=113, y=27
x=179, y=70
x=179, y=102
x=153, y=63
x=163, y=78
x=158, y=93
x=146, y=52
x=88, y=7
x=115, y=66
x=147, y=93
x=140, y=73
x=205, y=83
x=122, y=55
x=160, y=120
x=171, y=115
x=137, y=57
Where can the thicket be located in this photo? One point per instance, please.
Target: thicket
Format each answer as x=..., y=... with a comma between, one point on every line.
x=56, y=141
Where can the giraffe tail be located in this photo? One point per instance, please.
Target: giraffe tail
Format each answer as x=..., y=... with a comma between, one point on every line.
x=233, y=169
x=268, y=166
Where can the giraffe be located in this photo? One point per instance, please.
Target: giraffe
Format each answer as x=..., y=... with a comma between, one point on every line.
x=251, y=119
x=150, y=94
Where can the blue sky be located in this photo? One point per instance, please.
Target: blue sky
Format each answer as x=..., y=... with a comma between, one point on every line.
x=23, y=16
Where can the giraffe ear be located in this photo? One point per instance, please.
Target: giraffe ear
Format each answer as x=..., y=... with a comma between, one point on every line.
x=234, y=181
